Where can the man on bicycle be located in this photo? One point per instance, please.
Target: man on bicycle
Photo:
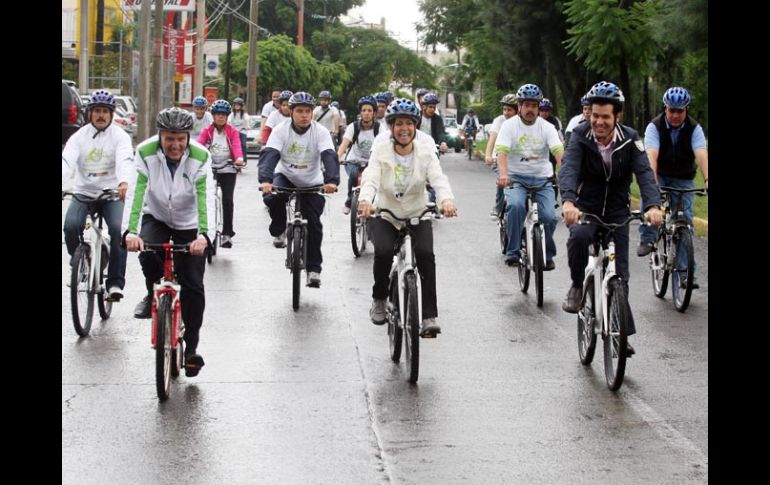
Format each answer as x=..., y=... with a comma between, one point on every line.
x=523, y=146
x=432, y=124
x=202, y=118
x=357, y=143
x=470, y=126
x=596, y=178
x=510, y=109
x=293, y=157
x=172, y=197
x=672, y=157
x=100, y=155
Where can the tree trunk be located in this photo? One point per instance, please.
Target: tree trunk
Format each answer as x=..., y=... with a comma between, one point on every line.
x=625, y=86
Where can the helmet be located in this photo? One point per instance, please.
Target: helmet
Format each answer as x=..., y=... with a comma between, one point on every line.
x=422, y=92
x=676, y=97
x=102, y=98
x=238, y=101
x=388, y=95
x=335, y=104
x=200, y=102
x=606, y=91
x=221, y=106
x=430, y=98
x=584, y=101
x=508, y=99
x=529, y=92
x=381, y=98
x=471, y=111
x=286, y=94
x=402, y=107
x=546, y=104
x=301, y=97
x=324, y=94
x=367, y=100
x=174, y=119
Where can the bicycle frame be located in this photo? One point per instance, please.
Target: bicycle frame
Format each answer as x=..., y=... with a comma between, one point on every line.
x=167, y=286
x=532, y=219
x=601, y=279
x=294, y=219
x=404, y=264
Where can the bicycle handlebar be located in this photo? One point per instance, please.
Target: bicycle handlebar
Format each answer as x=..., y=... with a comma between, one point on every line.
x=298, y=190
x=175, y=248
x=107, y=194
x=635, y=215
x=697, y=190
x=431, y=208
x=531, y=187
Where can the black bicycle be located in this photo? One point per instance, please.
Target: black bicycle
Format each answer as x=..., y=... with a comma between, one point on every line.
x=358, y=229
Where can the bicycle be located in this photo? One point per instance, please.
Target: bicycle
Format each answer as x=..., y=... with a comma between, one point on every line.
x=532, y=261
x=674, y=236
x=218, y=223
x=89, y=264
x=405, y=296
x=167, y=325
x=358, y=229
x=609, y=314
x=296, y=235
x=468, y=137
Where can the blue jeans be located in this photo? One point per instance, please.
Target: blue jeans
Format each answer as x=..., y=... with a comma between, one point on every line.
x=650, y=233
x=516, y=199
x=499, y=196
x=74, y=222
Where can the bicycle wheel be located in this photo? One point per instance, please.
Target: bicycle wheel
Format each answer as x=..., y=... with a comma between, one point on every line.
x=412, y=327
x=470, y=148
x=177, y=355
x=537, y=262
x=163, y=357
x=81, y=291
x=395, y=330
x=296, y=266
x=524, y=262
x=658, y=266
x=502, y=224
x=357, y=228
x=683, y=273
x=586, y=321
x=616, y=343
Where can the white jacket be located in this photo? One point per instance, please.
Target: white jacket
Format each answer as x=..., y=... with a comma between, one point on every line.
x=184, y=202
x=99, y=162
x=379, y=179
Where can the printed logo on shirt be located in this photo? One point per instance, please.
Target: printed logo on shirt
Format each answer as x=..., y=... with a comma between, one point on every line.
x=403, y=176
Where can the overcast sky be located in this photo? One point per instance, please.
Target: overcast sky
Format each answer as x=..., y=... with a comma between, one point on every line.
x=400, y=17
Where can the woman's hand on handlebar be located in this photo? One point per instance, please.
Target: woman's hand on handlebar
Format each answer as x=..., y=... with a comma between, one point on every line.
x=448, y=208
x=365, y=209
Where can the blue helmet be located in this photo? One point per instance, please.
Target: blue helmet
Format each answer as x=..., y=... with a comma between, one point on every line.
x=238, y=101
x=388, y=95
x=102, y=98
x=200, y=102
x=301, y=97
x=367, y=100
x=546, y=104
x=529, y=92
x=606, y=91
x=584, y=101
x=430, y=98
x=381, y=98
x=402, y=107
x=221, y=106
x=324, y=94
x=676, y=97
x=422, y=92
x=285, y=94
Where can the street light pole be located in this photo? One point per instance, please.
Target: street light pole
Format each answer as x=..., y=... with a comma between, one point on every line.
x=252, y=69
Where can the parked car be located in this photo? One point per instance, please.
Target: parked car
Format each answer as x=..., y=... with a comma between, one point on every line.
x=452, y=131
x=129, y=106
x=253, y=135
x=72, y=117
x=123, y=120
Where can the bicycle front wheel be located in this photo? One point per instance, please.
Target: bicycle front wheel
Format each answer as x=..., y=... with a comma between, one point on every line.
x=537, y=262
x=503, y=231
x=395, y=329
x=586, y=321
x=81, y=291
x=296, y=266
x=524, y=262
x=683, y=272
x=163, y=358
x=616, y=342
x=103, y=304
x=658, y=266
x=412, y=327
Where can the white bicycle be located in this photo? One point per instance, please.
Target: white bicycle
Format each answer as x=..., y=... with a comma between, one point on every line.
x=218, y=218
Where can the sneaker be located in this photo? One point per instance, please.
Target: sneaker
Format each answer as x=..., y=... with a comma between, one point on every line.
x=493, y=213
x=549, y=265
x=512, y=260
x=279, y=241
x=683, y=283
x=629, y=350
x=114, y=294
x=377, y=312
x=192, y=364
x=429, y=328
x=572, y=302
x=227, y=241
x=345, y=210
x=644, y=249
x=313, y=279
x=144, y=308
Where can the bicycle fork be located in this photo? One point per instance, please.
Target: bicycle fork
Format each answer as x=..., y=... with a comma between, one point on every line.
x=531, y=220
x=405, y=265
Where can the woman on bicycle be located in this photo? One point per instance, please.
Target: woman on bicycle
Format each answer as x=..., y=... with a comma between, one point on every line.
x=397, y=174
x=239, y=119
x=224, y=143
x=357, y=142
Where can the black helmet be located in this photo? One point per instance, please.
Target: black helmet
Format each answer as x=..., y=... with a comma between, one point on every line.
x=174, y=119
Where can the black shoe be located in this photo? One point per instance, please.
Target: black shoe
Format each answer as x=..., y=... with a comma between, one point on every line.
x=683, y=284
x=226, y=242
x=644, y=249
x=144, y=308
x=629, y=350
x=549, y=266
x=512, y=260
x=573, y=300
x=192, y=364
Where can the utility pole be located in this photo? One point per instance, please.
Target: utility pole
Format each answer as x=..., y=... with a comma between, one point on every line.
x=157, y=60
x=300, y=20
x=99, y=45
x=200, y=25
x=229, y=50
x=252, y=68
x=144, y=95
x=83, y=63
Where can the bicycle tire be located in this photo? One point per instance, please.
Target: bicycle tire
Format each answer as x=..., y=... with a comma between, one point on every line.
x=616, y=342
x=586, y=321
x=395, y=329
x=82, y=301
x=103, y=304
x=537, y=262
x=163, y=359
x=177, y=355
x=659, y=265
x=470, y=149
x=523, y=262
x=412, y=328
x=682, y=277
x=296, y=266
x=357, y=228
x=502, y=224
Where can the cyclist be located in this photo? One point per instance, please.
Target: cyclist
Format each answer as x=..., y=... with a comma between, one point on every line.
x=300, y=154
x=327, y=116
x=224, y=143
x=583, y=117
x=158, y=208
x=419, y=95
x=100, y=156
x=343, y=122
x=357, y=143
x=595, y=178
x=432, y=124
x=470, y=126
x=382, y=106
x=510, y=109
x=271, y=105
x=202, y=118
x=396, y=175
x=527, y=140
x=546, y=112
x=672, y=158
x=278, y=116
x=239, y=119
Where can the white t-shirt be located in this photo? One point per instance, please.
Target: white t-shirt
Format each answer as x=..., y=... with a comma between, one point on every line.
x=200, y=124
x=527, y=146
x=425, y=125
x=497, y=123
x=574, y=122
x=300, y=154
x=239, y=122
x=328, y=120
x=220, y=150
x=275, y=118
x=384, y=137
x=362, y=148
x=268, y=108
x=404, y=170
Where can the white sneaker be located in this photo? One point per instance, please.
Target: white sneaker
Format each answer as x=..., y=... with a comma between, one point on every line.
x=377, y=312
x=313, y=279
x=114, y=294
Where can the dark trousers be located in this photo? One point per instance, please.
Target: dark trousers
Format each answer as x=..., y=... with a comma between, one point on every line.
x=311, y=207
x=189, y=270
x=384, y=236
x=227, y=182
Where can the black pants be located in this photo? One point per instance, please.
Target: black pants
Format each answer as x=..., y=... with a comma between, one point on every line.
x=384, y=236
x=227, y=182
x=311, y=207
x=189, y=270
